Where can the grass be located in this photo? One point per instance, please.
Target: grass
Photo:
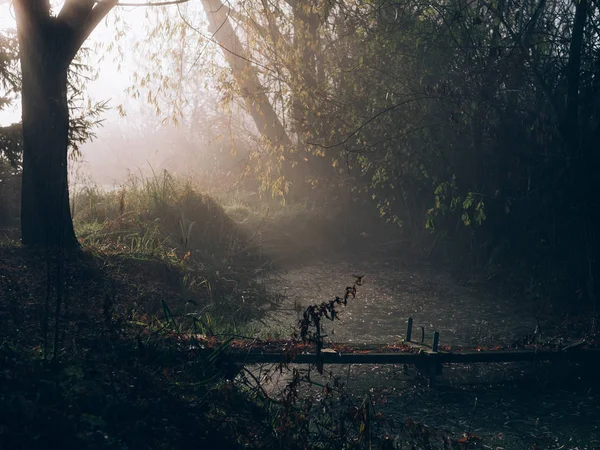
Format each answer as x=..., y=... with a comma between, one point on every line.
x=89, y=346
x=165, y=229
x=92, y=347
x=116, y=373
x=150, y=214
x=90, y=343
x=113, y=376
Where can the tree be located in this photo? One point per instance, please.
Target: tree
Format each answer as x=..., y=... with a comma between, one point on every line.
x=10, y=141
x=81, y=124
x=86, y=115
x=48, y=45
x=270, y=69
x=478, y=119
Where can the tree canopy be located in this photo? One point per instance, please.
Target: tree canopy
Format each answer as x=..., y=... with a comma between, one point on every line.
x=475, y=123
x=473, y=126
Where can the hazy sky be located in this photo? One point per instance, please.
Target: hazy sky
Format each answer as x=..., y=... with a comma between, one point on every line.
x=7, y=116
x=118, y=146
x=111, y=82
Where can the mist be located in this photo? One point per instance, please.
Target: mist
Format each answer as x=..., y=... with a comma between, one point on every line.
x=124, y=147
x=296, y=224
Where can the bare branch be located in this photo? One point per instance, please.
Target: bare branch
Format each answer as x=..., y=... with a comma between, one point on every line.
x=165, y=3
x=536, y=73
x=212, y=39
x=92, y=20
x=239, y=17
x=364, y=124
x=292, y=3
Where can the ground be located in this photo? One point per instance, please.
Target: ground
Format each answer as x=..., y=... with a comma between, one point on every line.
x=509, y=405
x=394, y=290
x=119, y=364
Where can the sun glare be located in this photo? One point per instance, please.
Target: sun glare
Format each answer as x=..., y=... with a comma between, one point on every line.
x=7, y=19
x=102, y=88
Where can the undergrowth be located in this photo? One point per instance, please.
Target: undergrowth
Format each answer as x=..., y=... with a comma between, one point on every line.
x=163, y=228
x=101, y=349
x=105, y=372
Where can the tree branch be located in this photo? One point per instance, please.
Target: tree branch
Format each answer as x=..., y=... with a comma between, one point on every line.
x=75, y=12
x=165, y=3
x=92, y=20
x=364, y=124
x=291, y=3
x=247, y=21
x=556, y=107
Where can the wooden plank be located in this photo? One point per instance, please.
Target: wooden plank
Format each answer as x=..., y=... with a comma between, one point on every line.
x=420, y=347
x=329, y=358
x=418, y=358
x=518, y=356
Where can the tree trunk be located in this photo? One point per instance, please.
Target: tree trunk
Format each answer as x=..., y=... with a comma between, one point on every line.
x=585, y=171
x=45, y=214
x=257, y=102
x=259, y=106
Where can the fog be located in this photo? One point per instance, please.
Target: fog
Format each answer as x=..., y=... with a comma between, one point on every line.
x=138, y=137
x=412, y=171
x=187, y=133
x=143, y=145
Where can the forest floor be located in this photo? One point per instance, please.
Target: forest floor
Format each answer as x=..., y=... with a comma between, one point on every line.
x=114, y=372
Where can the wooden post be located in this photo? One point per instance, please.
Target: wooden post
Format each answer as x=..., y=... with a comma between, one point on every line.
x=409, y=329
x=437, y=370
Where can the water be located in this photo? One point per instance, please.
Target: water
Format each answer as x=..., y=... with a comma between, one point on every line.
x=509, y=405
x=391, y=293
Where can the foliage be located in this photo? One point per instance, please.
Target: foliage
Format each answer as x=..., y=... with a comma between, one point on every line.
x=181, y=235
x=120, y=378
x=471, y=126
x=125, y=377
x=131, y=371
x=85, y=114
x=310, y=324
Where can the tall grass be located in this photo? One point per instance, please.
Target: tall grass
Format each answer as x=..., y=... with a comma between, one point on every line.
x=169, y=226
x=157, y=212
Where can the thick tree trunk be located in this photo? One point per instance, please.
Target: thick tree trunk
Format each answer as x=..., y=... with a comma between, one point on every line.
x=45, y=213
